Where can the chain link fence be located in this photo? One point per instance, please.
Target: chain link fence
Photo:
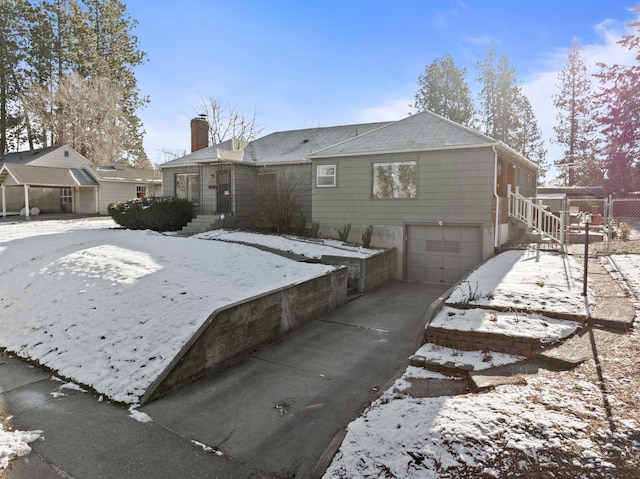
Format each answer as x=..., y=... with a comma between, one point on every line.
x=616, y=219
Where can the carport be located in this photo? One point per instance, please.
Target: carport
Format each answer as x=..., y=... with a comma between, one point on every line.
x=66, y=190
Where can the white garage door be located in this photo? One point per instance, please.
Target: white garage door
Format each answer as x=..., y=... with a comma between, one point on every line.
x=442, y=254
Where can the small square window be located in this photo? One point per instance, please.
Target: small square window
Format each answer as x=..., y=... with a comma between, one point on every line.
x=326, y=176
x=141, y=191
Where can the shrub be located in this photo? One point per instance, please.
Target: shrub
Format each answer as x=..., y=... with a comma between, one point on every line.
x=625, y=231
x=157, y=214
x=366, y=236
x=343, y=233
x=314, y=230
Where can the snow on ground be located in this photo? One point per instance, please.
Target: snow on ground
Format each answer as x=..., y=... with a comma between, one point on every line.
x=480, y=360
x=551, y=422
x=310, y=248
x=526, y=280
x=109, y=307
x=511, y=323
x=14, y=444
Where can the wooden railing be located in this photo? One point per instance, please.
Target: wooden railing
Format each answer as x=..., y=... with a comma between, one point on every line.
x=536, y=216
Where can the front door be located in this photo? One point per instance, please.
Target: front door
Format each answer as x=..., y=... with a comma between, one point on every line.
x=224, y=191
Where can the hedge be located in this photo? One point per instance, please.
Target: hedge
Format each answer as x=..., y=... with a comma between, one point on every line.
x=157, y=214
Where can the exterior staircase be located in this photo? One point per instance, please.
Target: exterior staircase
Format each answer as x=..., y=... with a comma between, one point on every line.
x=542, y=225
x=200, y=224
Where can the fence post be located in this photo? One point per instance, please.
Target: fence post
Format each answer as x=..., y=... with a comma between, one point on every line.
x=609, y=223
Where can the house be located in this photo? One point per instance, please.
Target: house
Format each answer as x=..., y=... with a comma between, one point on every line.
x=58, y=179
x=435, y=190
x=223, y=178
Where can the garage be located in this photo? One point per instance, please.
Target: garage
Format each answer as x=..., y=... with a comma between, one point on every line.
x=441, y=254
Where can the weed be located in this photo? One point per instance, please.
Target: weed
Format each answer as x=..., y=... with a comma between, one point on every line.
x=314, y=230
x=343, y=233
x=366, y=236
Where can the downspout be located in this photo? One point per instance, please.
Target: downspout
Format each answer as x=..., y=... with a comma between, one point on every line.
x=497, y=197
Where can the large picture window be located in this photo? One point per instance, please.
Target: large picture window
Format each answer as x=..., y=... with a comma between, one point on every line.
x=326, y=176
x=396, y=179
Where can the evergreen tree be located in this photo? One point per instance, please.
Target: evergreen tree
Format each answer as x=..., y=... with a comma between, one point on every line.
x=575, y=126
x=61, y=42
x=618, y=109
x=444, y=90
x=505, y=112
x=12, y=55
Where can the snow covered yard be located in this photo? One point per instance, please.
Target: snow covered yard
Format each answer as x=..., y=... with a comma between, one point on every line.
x=109, y=308
x=581, y=423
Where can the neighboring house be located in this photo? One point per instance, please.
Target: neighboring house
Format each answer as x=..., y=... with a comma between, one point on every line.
x=58, y=179
x=223, y=178
x=435, y=190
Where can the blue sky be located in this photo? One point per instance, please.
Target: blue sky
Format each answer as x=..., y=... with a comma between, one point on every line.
x=301, y=64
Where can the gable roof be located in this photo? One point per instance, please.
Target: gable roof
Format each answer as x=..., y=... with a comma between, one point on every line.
x=295, y=145
x=422, y=131
x=279, y=147
x=26, y=157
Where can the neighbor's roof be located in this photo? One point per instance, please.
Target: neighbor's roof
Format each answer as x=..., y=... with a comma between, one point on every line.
x=26, y=157
x=295, y=145
x=44, y=176
x=127, y=175
x=419, y=132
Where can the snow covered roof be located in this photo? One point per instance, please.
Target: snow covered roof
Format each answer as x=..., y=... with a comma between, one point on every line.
x=126, y=175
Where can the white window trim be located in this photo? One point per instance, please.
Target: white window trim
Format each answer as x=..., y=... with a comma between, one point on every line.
x=333, y=176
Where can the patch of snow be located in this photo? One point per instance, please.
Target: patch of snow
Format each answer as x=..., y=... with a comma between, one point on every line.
x=309, y=248
x=513, y=324
x=526, y=280
x=15, y=444
x=478, y=359
x=139, y=415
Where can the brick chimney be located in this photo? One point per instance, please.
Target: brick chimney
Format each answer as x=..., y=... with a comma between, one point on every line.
x=199, y=133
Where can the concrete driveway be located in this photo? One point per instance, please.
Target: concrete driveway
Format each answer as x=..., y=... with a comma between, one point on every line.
x=281, y=412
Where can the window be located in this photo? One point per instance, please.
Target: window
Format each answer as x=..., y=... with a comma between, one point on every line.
x=141, y=191
x=188, y=186
x=397, y=179
x=326, y=176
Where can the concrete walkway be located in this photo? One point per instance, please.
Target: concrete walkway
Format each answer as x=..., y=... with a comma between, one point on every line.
x=281, y=412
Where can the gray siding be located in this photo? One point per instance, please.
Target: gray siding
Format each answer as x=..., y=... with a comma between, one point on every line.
x=244, y=180
x=452, y=186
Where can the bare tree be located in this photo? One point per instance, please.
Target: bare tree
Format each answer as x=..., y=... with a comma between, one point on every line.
x=84, y=114
x=226, y=122
x=277, y=200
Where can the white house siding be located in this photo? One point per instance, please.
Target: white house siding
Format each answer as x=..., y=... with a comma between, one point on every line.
x=86, y=203
x=454, y=187
x=58, y=159
x=112, y=191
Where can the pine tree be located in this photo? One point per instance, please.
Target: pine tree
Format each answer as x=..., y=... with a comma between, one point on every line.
x=64, y=40
x=618, y=107
x=505, y=112
x=13, y=42
x=575, y=127
x=444, y=90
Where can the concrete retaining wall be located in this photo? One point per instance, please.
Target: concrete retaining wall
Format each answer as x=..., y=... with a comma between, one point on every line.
x=234, y=331
x=482, y=341
x=367, y=274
